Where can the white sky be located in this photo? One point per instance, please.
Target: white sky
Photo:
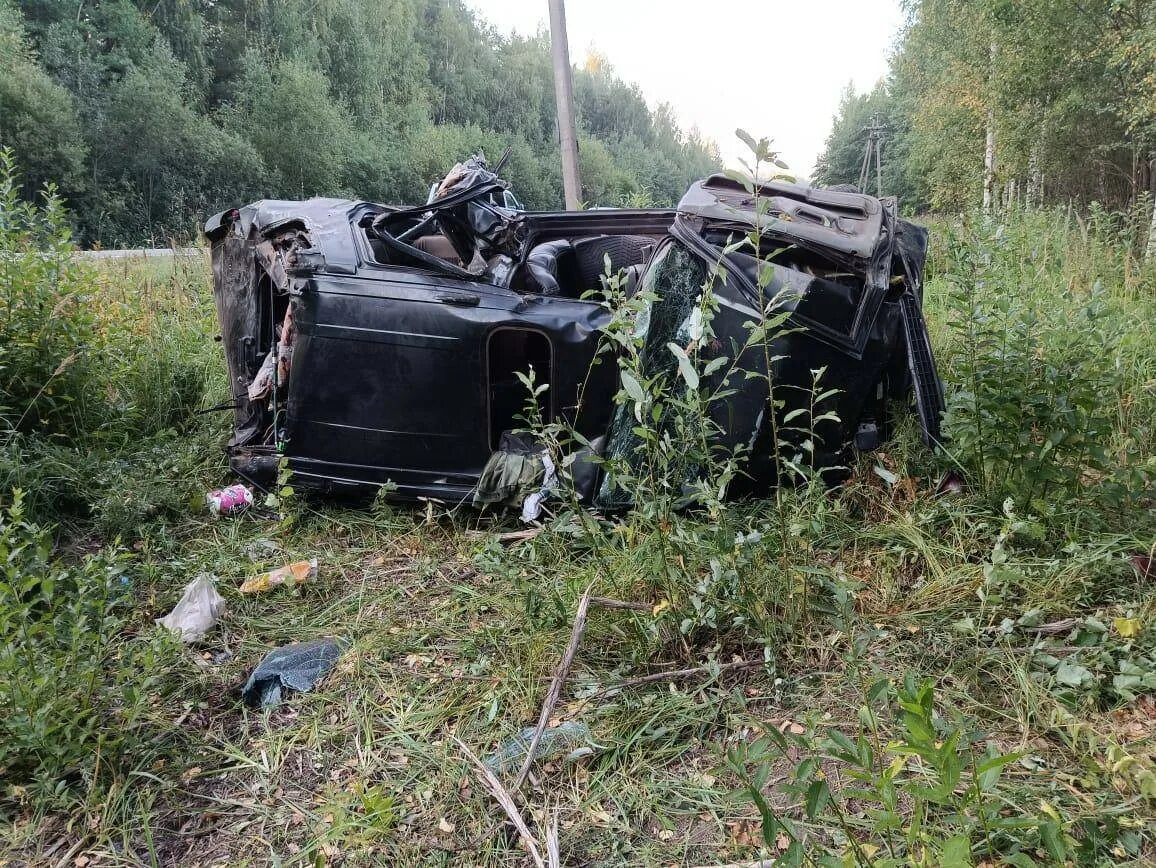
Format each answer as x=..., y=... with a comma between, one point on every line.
x=784, y=82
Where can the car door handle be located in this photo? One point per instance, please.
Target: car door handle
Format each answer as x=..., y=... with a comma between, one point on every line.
x=462, y=299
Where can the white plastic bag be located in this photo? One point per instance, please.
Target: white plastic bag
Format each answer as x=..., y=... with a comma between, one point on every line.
x=197, y=611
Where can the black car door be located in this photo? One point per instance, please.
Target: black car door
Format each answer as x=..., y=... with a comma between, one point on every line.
x=388, y=381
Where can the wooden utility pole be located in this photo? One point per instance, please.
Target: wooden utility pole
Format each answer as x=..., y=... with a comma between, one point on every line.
x=872, y=150
x=564, y=96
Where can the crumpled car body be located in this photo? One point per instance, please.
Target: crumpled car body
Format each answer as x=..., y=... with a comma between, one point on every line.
x=372, y=345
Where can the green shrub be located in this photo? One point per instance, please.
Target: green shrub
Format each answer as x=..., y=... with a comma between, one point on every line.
x=47, y=328
x=74, y=685
x=102, y=371
x=1044, y=371
x=55, y=478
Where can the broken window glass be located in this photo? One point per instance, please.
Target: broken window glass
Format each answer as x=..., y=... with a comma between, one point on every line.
x=677, y=278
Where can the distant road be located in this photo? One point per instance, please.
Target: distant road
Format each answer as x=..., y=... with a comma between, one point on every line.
x=140, y=253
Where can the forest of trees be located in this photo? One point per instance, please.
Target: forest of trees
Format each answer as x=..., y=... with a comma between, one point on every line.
x=1046, y=102
x=147, y=116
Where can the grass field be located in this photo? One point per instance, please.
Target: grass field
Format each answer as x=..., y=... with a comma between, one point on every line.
x=1026, y=602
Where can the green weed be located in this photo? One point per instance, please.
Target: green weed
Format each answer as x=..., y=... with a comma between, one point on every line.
x=924, y=791
x=76, y=683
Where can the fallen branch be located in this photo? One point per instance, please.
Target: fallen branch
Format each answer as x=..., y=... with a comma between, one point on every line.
x=608, y=603
x=504, y=799
x=676, y=675
x=515, y=536
x=1064, y=625
x=396, y=571
x=1055, y=628
x=553, y=851
x=555, y=691
x=66, y=859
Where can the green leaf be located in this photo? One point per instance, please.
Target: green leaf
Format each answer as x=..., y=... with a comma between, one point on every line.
x=714, y=365
x=633, y=387
x=740, y=178
x=818, y=794
x=748, y=140
x=989, y=770
x=1074, y=675
x=806, y=769
x=770, y=822
x=880, y=688
x=830, y=393
x=1053, y=840
x=919, y=729
x=956, y=852
x=794, y=414
x=685, y=367
x=846, y=750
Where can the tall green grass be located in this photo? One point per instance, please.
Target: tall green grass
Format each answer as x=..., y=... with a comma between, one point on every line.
x=1046, y=333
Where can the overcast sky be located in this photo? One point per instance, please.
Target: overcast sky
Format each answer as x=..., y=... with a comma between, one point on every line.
x=773, y=67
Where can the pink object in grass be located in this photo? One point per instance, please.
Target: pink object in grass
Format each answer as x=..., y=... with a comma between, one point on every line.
x=229, y=500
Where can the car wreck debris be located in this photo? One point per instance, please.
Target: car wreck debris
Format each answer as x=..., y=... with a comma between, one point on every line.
x=519, y=473
x=275, y=368
x=296, y=573
x=196, y=612
x=372, y=345
x=292, y=667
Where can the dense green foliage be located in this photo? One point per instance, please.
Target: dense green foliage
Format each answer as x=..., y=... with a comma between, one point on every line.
x=100, y=376
x=1067, y=90
x=1078, y=430
x=148, y=116
x=74, y=688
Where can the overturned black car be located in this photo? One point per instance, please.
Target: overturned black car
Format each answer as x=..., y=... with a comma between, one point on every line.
x=374, y=345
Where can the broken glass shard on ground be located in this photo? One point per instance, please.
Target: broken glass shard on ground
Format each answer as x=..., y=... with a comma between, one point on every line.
x=292, y=667
x=570, y=740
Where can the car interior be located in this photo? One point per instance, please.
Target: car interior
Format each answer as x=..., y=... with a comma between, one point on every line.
x=561, y=267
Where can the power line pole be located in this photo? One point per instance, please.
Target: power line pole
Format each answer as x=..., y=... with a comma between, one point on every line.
x=564, y=96
x=872, y=152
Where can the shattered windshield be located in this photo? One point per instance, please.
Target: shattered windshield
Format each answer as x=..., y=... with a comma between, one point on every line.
x=676, y=277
